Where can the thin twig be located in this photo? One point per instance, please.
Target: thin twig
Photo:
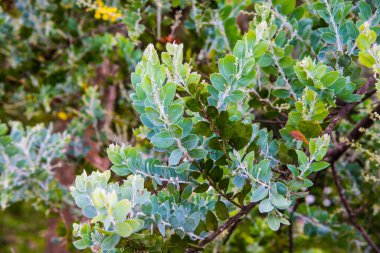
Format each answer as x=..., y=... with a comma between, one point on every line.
x=343, y=113
x=290, y=233
x=334, y=154
x=231, y=230
x=351, y=215
x=229, y=223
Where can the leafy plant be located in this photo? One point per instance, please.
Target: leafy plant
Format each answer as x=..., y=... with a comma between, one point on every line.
x=27, y=163
x=234, y=158
x=225, y=116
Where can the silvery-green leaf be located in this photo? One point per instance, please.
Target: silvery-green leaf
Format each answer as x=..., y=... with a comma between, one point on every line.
x=273, y=222
x=110, y=242
x=90, y=211
x=162, y=140
x=175, y=156
x=265, y=206
x=260, y=193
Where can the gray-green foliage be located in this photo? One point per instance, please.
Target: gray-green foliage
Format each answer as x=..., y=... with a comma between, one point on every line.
x=210, y=159
x=27, y=160
x=209, y=154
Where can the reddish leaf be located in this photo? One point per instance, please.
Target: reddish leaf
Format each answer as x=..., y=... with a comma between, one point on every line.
x=299, y=136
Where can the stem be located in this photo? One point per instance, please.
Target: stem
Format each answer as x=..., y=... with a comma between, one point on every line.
x=219, y=23
x=276, y=62
x=216, y=187
x=290, y=233
x=351, y=215
x=159, y=14
x=335, y=27
x=231, y=230
x=347, y=108
x=267, y=102
x=334, y=154
x=229, y=223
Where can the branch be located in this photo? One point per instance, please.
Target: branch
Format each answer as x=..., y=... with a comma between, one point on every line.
x=231, y=230
x=351, y=215
x=290, y=234
x=229, y=223
x=334, y=154
x=343, y=113
x=216, y=188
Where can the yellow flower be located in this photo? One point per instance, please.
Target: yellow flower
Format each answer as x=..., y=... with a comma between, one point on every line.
x=105, y=17
x=100, y=3
x=62, y=115
x=106, y=12
x=98, y=15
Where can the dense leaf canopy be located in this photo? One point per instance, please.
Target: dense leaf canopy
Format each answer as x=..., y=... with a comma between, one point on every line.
x=189, y=126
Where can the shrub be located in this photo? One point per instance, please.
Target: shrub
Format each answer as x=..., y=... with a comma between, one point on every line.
x=224, y=118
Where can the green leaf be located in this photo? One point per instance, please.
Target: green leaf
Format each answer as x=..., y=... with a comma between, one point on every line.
x=365, y=10
x=114, y=157
x=183, y=167
x=187, y=192
x=175, y=156
x=212, y=112
x=330, y=78
x=260, y=49
x=285, y=62
x=363, y=42
x=218, y=81
x=121, y=209
x=329, y=37
x=169, y=91
x=123, y=229
x=265, y=206
x=260, y=193
x=265, y=61
x=317, y=166
x=344, y=60
x=223, y=184
x=154, y=116
x=236, y=96
x=175, y=112
x=239, y=50
x=221, y=210
x=280, y=38
x=227, y=66
x=216, y=174
x=193, y=105
x=82, y=244
x=211, y=221
x=279, y=201
x=294, y=170
x=366, y=59
x=202, y=128
x=198, y=153
x=285, y=6
x=284, y=221
x=214, y=143
x=136, y=225
x=273, y=222
x=241, y=135
x=121, y=170
x=201, y=188
x=190, y=141
x=90, y=211
x=281, y=93
x=110, y=242
x=189, y=225
x=310, y=129
x=302, y=158
x=162, y=140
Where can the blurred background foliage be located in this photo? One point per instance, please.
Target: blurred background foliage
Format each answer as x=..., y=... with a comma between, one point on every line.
x=68, y=63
